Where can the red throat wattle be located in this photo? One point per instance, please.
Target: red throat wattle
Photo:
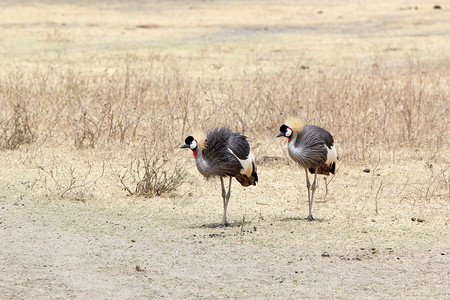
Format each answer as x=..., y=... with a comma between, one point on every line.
x=195, y=153
x=289, y=139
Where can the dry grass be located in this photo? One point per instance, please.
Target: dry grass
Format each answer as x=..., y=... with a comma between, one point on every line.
x=381, y=106
x=372, y=113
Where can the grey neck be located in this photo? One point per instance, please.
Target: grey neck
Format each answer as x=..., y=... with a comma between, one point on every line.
x=202, y=165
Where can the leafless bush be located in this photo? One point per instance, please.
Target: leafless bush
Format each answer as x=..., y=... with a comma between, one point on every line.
x=151, y=177
x=155, y=170
x=436, y=185
x=83, y=133
x=16, y=129
x=65, y=180
x=432, y=188
x=156, y=179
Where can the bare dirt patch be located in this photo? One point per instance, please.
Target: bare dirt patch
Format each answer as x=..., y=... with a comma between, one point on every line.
x=126, y=247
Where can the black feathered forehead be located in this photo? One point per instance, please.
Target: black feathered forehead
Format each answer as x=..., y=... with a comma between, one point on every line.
x=283, y=128
x=189, y=140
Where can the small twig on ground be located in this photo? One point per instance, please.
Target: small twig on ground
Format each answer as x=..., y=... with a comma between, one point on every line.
x=328, y=182
x=376, y=197
x=243, y=222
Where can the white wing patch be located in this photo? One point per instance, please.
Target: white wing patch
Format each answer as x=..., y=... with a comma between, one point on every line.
x=331, y=155
x=245, y=163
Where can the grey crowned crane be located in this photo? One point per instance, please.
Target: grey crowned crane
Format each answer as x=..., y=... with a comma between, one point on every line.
x=224, y=154
x=312, y=147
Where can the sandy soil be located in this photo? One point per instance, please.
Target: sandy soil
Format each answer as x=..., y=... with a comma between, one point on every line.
x=116, y=247
x=378, y=235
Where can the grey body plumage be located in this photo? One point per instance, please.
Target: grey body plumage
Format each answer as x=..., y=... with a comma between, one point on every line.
x=224, y=154
x=309, y=148
x=312, y=147
x=216, y=159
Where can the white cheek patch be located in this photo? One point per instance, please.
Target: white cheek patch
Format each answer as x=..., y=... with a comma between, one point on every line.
x=288, y=132
x=193, y=145
x=331, y=155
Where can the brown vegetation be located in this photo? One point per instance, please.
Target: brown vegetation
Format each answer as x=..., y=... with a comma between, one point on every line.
x=372, y=112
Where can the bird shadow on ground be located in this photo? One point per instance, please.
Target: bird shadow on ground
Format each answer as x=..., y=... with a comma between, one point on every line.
x=219, y=225
x=301, y=219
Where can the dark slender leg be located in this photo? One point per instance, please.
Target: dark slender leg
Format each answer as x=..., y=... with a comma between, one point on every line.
x=225, y=197
x=308, y=186
x=313, y=189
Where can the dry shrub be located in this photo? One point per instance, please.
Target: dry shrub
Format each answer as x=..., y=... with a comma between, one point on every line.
x=435, y=186
x=18, y=117
x=63, y=179
x=16, y=129
x=154, y=171
x=155, y=176
x=83, y=133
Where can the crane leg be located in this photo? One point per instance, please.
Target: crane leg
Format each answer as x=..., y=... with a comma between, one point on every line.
x=308, y=186
x=226, y=198
x=313, y=189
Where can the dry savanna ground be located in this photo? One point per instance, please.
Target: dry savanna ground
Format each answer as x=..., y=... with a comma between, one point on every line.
x=98, y=202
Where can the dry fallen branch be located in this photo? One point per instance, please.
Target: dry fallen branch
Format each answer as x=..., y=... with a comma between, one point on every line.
x=66, y=180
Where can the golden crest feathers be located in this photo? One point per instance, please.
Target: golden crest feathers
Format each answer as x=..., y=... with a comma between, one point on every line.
x=200, y=137
x=295, y=124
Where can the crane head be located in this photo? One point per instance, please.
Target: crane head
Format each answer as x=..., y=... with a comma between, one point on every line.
x=285, y=131
x=190, y=142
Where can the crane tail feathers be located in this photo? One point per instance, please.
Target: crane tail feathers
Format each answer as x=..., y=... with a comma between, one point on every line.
x=325, y=169
x=247, y=181
x=248, y=175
